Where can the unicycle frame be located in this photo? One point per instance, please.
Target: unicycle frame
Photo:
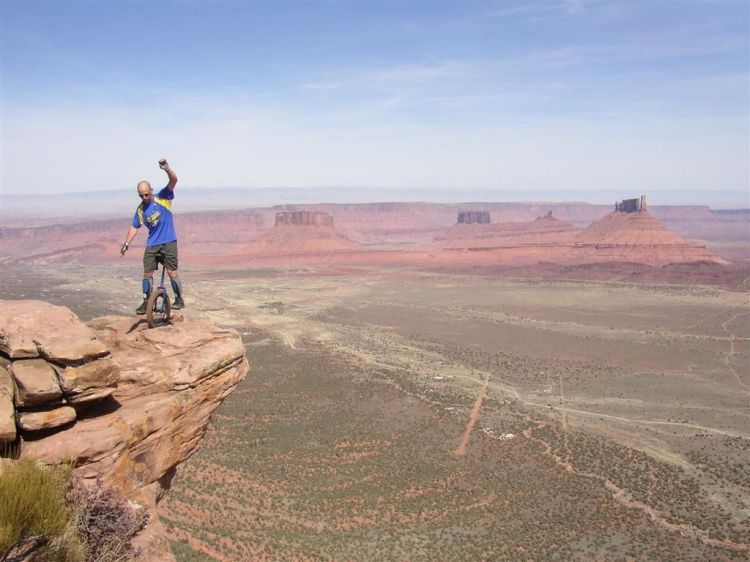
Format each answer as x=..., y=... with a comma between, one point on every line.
x=158, y=307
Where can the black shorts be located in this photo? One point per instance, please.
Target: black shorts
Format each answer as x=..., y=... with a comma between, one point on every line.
x=161, y=253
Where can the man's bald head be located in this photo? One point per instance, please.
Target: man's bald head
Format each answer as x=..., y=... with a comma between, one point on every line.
x=144, y=191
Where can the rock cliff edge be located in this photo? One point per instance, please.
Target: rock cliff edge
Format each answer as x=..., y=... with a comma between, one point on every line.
x=125, y=402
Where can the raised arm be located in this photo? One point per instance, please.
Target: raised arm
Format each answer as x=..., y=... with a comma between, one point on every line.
x=164, y=165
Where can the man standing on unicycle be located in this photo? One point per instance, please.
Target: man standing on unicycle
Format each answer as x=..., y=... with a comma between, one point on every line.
x=161, y=246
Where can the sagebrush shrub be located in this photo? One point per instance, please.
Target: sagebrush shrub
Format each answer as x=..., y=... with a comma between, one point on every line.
x=46, y=511
x=105, y=520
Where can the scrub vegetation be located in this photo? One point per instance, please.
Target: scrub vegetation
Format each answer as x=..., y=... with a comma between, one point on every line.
x=49, y=514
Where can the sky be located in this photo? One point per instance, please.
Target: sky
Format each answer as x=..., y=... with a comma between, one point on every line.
x=538, y=97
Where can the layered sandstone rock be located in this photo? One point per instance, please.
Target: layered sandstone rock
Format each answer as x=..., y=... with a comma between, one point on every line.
x=46, y=419
x=632, y=234
x=134, y=402
x=543, y=239
x=7, y=411
x=30, y=329
x=473, y=217
x=301, y=233
x=36, y=382
x=50, y=361
x=303, y=218
x=631, y=205
x=89, y=382
x=220, y=238
x=628, y=235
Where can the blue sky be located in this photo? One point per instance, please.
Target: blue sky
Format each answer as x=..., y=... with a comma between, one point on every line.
x=538, y=96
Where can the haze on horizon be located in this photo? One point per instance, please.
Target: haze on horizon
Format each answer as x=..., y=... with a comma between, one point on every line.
x=543, y=97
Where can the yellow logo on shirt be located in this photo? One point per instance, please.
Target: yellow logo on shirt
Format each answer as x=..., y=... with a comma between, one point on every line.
x=153, y=219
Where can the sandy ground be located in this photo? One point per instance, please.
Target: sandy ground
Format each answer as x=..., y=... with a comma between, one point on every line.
x=636, y=396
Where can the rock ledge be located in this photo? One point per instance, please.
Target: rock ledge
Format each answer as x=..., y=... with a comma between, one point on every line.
x=128, y=404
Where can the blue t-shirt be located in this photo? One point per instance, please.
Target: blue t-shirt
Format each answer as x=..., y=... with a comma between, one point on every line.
x=157, y=216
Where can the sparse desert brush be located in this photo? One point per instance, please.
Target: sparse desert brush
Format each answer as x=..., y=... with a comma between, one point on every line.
x=46, y=511
x=34, y=514
x=105, y=520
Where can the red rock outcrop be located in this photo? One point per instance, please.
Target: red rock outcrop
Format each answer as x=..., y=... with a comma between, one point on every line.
x=629, y=235
x=636, y=236
x=50, y=364
x=543, y=239
x=307, y=218
x=300, y=233
x=389, y=233
x=635, y=205
x=473, y=217
x=161, y=386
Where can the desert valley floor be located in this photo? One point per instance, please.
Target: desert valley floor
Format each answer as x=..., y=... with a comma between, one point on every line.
x=396, y=414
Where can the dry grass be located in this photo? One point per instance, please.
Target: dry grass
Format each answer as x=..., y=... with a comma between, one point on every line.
x=34, y=513
x=47, y=511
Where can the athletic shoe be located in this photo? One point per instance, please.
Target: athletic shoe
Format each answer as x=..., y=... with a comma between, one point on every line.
x=142, y=309
x=178, y=303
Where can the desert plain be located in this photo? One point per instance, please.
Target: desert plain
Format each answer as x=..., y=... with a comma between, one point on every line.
x=403, y=414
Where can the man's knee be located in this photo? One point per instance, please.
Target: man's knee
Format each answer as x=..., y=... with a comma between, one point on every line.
x=172, y=273
x=149, y=274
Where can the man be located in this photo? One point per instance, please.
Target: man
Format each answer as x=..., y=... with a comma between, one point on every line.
x=161, y=246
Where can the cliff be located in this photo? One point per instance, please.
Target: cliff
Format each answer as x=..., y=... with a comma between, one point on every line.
x=299, y=234
x=632, y=234
x=212, y=238
x=543, y=239
x=126, y=403
x=473, y=217
x=628, y=235
x=303, y=218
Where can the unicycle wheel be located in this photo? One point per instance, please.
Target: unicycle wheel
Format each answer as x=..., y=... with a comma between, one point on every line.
x=158, y=308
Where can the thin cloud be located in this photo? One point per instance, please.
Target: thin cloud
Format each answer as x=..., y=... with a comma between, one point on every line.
x=574, y=6
x=535, y=80
x=504, y=10
x=399, y=74
x=615, y=93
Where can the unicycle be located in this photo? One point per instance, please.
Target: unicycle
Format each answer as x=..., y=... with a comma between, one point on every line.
x=158, y=307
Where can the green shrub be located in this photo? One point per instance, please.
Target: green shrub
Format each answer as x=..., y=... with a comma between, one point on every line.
x=33, y=511
x=45, y=510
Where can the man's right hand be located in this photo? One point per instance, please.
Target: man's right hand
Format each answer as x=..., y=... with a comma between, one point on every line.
x=124, y=249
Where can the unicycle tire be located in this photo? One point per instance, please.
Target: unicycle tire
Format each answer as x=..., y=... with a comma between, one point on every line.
x=158, y=308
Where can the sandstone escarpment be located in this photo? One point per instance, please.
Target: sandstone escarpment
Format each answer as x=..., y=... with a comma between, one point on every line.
x=51, y=367
x=301, y=233
x=126, y=403
x=222, y=238
x=473, y=217
x=635, y=205
x=632, y=234
x=543, y=239
x=303, y=218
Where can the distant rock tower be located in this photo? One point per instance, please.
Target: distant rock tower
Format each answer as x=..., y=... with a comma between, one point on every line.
x=631, y=205
x=473, y=217
x=302, y=218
